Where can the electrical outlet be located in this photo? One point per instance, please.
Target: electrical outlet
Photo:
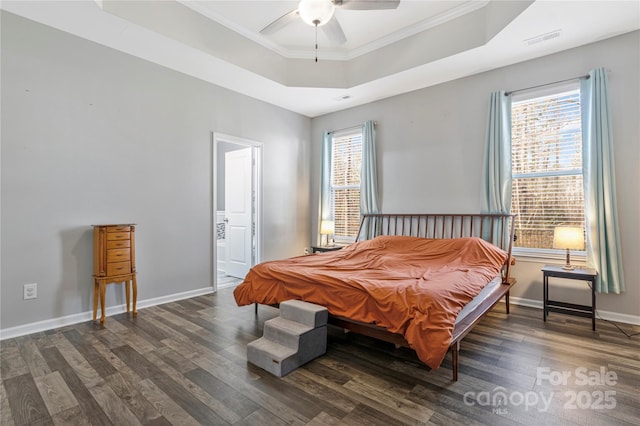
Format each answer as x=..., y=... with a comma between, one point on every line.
x=306, y=251
x=30, y=291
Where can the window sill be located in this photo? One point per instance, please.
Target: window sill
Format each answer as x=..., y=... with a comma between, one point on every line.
x=548, y=256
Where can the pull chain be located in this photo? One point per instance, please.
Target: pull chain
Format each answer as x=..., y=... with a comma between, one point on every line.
x=316, y=22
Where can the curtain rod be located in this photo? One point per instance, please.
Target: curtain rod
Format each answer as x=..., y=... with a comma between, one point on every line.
x=375, y=123
x=547, y=84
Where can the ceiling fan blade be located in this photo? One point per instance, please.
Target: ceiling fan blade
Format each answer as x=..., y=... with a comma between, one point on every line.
x=333, y=31
x=280, y=23
x=366, y=4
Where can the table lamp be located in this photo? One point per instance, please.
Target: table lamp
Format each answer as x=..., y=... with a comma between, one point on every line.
x=327, y=227
x=568, y=237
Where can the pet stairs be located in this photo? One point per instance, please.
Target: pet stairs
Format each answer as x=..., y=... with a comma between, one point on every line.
x=294, y=338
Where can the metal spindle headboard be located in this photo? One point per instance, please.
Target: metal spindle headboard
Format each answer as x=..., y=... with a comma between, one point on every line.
x=498, y=229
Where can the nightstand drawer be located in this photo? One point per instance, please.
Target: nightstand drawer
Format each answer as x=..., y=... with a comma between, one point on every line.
x=118, y=228
x=114, y=236
x=118, y=255
x=118, y=268
x=118, y=244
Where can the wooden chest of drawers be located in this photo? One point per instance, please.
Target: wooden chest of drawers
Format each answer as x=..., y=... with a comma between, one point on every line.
x=114, y=261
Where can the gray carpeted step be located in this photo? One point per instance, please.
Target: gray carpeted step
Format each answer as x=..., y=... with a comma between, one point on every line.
x=304, y=312
x=284, y=331
x=271, y=356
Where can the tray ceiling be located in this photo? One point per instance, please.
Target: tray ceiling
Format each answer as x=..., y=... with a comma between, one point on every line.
x=388, y=52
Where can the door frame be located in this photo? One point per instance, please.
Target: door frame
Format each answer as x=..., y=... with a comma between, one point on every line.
x=256, y=186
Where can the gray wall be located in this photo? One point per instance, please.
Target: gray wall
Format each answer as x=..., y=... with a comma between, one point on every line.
x=91, y=135
x=430, y=146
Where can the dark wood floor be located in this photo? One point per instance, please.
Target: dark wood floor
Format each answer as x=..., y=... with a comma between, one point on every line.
x=185, y=363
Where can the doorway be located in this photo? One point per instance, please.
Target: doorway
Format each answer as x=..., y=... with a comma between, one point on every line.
x=236, y=213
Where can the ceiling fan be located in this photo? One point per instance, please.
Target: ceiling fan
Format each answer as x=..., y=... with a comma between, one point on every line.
x=320, y=13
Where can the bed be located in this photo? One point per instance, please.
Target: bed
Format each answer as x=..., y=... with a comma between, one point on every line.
x=415, y=280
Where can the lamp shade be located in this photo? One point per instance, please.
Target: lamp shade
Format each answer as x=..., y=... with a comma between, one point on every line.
x=316, y=12
x=568, y=237
x=327, y=227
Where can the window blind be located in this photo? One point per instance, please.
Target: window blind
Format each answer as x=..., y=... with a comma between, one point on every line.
x=346, y=160
x=547, y=189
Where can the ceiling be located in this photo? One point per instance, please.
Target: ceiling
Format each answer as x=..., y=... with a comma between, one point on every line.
x=387, y=52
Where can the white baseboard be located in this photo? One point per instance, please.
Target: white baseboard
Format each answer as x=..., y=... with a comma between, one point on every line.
x=50, y=324
x=607, y=315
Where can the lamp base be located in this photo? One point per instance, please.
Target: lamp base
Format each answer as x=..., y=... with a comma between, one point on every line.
x=568, y=266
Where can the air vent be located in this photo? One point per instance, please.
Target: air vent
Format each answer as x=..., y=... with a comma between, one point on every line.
x=543, y=37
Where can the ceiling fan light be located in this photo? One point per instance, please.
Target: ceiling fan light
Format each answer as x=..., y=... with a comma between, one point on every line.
x=316, y=12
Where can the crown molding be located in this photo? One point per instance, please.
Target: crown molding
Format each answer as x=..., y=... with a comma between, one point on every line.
x=338, y=54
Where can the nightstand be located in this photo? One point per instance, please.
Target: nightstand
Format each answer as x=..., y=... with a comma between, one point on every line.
x=583, y=274
x=322, y=249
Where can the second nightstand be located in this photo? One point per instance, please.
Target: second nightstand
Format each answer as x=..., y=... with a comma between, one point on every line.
x=584, y=274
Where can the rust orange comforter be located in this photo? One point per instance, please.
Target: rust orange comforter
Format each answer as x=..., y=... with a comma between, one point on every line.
x=413, y=286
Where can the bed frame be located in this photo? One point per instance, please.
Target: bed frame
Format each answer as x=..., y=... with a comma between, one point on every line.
x=497, y=229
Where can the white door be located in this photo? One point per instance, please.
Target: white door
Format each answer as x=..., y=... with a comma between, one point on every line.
x=238, y=212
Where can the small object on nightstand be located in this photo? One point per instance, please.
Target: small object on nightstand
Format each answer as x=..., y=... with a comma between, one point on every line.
x=568, y=238
x=327, y=227
x=114, y=261
x=584, y=274
x=322, y=249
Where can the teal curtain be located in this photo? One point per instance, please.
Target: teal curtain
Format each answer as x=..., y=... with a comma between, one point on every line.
x=368, y=171
x=603, y=236
x=496, y=178
x=325, y=181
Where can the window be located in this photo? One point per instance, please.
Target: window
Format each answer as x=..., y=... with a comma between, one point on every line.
x=346, y=159
x=546, y=153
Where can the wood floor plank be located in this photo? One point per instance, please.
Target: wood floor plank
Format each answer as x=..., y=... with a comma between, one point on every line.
x=56, y=394
x=122, y=368
x=138, y=335
x=201, y=336
x=71, y=417
x=366, y=415
x=6, y=419
x=260, y=418
x=169, y=409
x=78, y=363
x=229, y=398
x=324, y=419
x=109, y=339
x=114, y=407
x=306, y=383
x=219, y=402
x=174, y=318
x=12, y=364
x=32, y=357
x=391, y=402
x=95, y=358
x=214, y=331
x=148, y=328
x=138, y=342
x=175, y=360
x=27, y=406
x=361, y=398
x=170, y=387
x=127, y=391
x=88, y=405
x=243, y=383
